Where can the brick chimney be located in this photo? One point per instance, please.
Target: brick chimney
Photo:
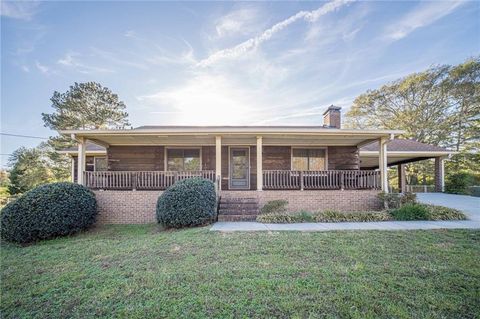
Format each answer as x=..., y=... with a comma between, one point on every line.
x=332, y=117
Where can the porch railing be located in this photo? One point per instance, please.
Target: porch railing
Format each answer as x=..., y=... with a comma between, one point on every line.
x=341, y=179
x=140, y=179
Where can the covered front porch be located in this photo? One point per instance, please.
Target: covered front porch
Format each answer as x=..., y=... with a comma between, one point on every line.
x=271, y=179
x=235, y=158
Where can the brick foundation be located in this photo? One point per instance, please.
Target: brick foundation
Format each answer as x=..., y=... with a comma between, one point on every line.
x=126, y=207
x=346, y=200
x=138, y=207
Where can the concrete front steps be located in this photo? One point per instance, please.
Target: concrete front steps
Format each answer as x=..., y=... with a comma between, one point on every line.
x=233, y=209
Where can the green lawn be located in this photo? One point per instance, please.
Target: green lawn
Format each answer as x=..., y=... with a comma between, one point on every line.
x=139, y=272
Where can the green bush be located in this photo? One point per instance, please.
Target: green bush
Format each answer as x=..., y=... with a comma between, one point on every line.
x=333, y=216
x=48, y=211
x=410, y=212
x=274, y=206
x=459, y=183
x=444, y=213
x=323, y=217
x=189, y=202
x=285, y=218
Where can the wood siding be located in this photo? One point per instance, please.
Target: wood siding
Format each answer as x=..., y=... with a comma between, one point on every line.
x=276, y=158
x=136, y=158
x=343, y=158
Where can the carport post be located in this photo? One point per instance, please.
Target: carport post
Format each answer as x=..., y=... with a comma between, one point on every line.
x=402, y=181
x=439, y=174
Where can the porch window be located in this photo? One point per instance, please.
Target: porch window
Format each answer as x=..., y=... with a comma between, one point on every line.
x=183, y=159
x=100, y=164
x=308, y=159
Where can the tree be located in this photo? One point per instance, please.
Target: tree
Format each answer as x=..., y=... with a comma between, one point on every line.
x=29, y=168
x=439, y=106
x=464, y=96
x=417, y=104
x=4, y=179
x=86, y=106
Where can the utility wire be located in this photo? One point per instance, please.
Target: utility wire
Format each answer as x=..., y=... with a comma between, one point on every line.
x=28, y=136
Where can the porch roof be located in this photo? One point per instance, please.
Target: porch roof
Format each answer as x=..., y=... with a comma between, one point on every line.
x=231, y=135
x=400, y=151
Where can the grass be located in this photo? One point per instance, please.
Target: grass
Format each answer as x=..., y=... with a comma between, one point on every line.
x=140, y=272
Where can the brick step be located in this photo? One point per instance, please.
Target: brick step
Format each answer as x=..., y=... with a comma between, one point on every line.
x=238, y=205
x=238, y=212
x=238, y=200
x=236, y=218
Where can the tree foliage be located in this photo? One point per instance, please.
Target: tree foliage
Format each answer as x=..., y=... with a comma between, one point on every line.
x=86, y=106
x=29, y=168
x=439, y=106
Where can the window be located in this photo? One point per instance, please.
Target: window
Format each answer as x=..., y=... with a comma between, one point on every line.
x=183, y=159
x=308, y=159
x=100, y=164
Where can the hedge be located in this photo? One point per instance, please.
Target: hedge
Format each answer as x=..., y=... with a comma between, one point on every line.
x=406, y=212
x=324, y=217
x=190, y=202
x=48, y=211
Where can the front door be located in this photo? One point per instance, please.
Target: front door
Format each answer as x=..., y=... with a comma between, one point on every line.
x=239, y=168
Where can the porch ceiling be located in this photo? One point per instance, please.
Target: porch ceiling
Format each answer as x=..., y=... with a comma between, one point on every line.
x=232, y=136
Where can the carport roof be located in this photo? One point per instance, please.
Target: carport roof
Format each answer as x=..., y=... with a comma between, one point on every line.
x=401, y=145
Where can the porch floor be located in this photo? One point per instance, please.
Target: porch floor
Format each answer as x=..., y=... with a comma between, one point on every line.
x=388, y=225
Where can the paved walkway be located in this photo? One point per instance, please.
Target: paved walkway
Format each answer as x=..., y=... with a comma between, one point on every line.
x=469, y=205
x=405, y=225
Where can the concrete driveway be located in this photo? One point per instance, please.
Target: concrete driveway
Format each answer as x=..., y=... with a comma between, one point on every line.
x=468, y=204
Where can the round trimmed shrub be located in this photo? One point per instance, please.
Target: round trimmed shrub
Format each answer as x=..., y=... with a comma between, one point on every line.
x=190, y=202
x=48, y=211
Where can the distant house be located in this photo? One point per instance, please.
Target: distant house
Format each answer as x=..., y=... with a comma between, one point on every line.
x=313, y=167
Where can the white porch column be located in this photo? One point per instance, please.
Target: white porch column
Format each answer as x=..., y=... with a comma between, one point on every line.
x=81, y=160
x=382, y=161
x=259, y=163
x=72, y=177
x=218, y=161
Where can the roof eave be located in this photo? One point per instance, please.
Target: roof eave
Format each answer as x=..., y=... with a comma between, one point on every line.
x=188, y=131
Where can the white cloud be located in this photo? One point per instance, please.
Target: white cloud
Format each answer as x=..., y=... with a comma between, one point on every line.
x=25, y=68
x=42, y=68
x=23, y=10
x=204, y=99
x=239, y=21
x=130, y=34
x=71, y=61
x=253, y=43
x=422, y=15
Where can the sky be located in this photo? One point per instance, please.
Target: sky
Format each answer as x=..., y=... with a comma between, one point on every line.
x=220, y=63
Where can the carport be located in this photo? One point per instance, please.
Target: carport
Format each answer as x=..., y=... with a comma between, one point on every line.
x=401, y=152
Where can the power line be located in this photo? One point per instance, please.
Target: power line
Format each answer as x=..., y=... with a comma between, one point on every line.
x=5, y=154
x=27, y=136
